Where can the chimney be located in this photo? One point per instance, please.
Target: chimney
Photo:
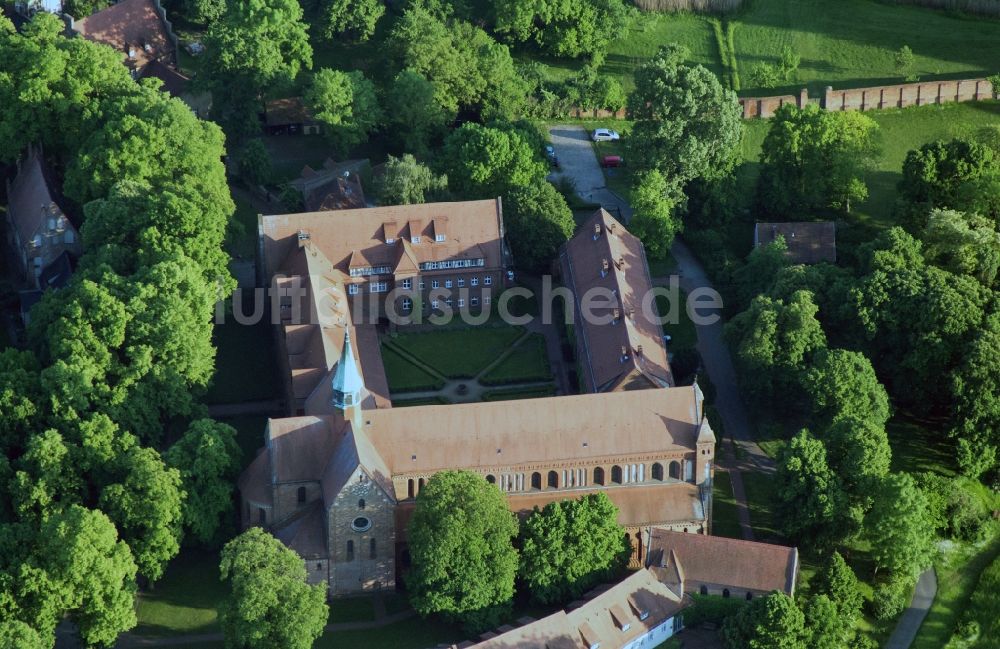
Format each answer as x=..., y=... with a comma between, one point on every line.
x=624, y=354
x=616, y=314
x=604, y=267
x=303, y=237
x=597, y=231
x=638, y=350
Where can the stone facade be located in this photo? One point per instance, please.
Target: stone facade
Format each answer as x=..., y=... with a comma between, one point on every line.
x=362, y=537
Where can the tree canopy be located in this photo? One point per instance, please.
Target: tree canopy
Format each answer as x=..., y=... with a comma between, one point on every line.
x=567, y=29
x=654, y=218
x=811, y=507
x=485, y=162
x=813, y=159
x=538, y=221
x=464, y=562
x=355, y=18
x=406, y=181
x=346, y=104
x=269, y=603
x=686, y=125
x=899, y=527
x=570, y=546
x=772, y=622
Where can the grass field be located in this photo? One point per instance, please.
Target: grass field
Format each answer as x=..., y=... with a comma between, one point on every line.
x=761, y=491
x=245, y=366
x=249, y=434
x=958, y=572
x=403, y=375
x=985, y=607
x=185, y=599
x=848, y=43
x=458, y=353
x=527, y=362
x=725, y=521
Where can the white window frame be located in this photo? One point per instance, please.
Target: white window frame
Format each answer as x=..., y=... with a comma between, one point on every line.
x=415, y=239
x=447, y=283
x=461, y=302
x=435, y=283
x=407, y=304
x=434, y=304
x=474, y=281
x=423, y=284
x=474, y=301
x=407, y=283
x=352, y=289
x=439, y=238
x=378, y=287
x=488, y=280
x=461, y=282
x=486, y=299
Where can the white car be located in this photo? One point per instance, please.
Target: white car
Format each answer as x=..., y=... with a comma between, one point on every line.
x=604, y=135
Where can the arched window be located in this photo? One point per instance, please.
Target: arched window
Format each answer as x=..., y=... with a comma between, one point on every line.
x=675, y=470
x=371, y=549
x=361, y=504
x=262, y=516
x=725, y=592
x=301, y=496
x=657, y=471
x=616, y=474
x=536, y=480
x=491, y=479
x=350, y=550
x=598, y=475
x=749, y=596
x=410, y=493
x=638, y=546
x=703, y=590
x=553, y=480
x=420, y=485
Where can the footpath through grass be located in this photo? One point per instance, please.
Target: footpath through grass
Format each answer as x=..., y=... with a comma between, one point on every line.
x=725, y=519
x=458, y=353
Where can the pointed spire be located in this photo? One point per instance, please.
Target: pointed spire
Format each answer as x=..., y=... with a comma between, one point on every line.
x=347, y=382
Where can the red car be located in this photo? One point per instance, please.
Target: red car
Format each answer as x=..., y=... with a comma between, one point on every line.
x=612, y=161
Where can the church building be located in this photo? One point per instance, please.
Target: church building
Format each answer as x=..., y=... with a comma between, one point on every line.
x=338, y=482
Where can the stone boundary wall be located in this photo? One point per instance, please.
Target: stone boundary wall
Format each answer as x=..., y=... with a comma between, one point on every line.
x=897, y=96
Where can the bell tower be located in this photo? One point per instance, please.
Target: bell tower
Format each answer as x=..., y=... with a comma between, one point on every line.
x=348, y=386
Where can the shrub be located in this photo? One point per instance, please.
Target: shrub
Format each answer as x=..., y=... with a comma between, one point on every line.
x=712, y=609
x=703, y=6
x=890, y=599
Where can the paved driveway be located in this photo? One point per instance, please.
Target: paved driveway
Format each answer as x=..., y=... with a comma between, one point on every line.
x=578, y=161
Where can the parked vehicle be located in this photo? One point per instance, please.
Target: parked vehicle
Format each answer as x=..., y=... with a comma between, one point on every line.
x=612, y=161
x=550, y=155
x=604, y=135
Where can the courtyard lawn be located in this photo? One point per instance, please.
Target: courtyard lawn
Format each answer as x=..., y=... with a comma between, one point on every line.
x=404, y=375
x=245, y=364
x=527, y=362
x=429, y=401
x=352, y=609
x=458, y=353
x=185, y=599
x=958, y=571
x=725, y=520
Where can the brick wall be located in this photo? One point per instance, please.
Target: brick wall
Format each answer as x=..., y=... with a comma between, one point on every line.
x=876, y=97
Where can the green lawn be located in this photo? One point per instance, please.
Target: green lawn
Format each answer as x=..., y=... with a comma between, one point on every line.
x=185, y=599
x=352, y=609
x=430, y=401
x=920, y=447
x=458, y=353
x=241, y=238
x=985, y=607
x=852, y=43
x=761, y=490
x=403, y=375
x=958, y=572
x=245, y=365
x=527, y=362
x=725, y=520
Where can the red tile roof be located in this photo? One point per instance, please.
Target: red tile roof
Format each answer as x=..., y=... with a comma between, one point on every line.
x=138, y=26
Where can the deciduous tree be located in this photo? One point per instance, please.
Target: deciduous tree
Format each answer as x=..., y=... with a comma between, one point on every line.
x=346, y=103
x=406, y=181
x=269, y=603
x=464, y=561
x=485, y=162
x=567, y=29
x=538, y=222
x=414, y=112
x=355, y=18
x=570, y=546
x=813, y=159
x=899, y=527
x=976, y=389
x=842, y=384
x=654, y=219
x=811, y=507
x=207, y=458
x=772, y=622
x=837, y=581
x=686, y=125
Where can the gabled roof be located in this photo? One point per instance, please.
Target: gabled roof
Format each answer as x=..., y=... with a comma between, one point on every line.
x=509, y=433
x=300, y=447
x=338, y=193
x=734, y=563
x=808, y=242
x=474, y=231
x=612, y=618
x=33, y=197
x=306, y=532
x=604, y=255
x=288, y=110
x=174, y=83
x=139, y=25
x=354, y=452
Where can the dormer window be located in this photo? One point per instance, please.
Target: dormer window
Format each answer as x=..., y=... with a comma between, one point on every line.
x=415, y=239
x=390, y=239
x=597, y=231
x=439, y=238
x=643, y=615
